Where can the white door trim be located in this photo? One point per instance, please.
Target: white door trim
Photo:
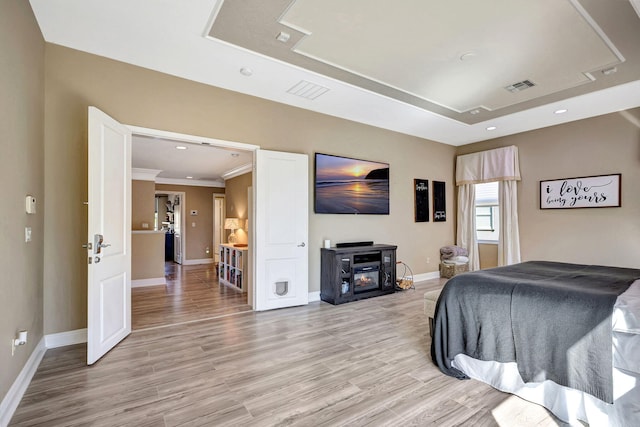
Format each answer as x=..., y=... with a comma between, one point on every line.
x=183, y=203
x=194, y=139
x=203, y=140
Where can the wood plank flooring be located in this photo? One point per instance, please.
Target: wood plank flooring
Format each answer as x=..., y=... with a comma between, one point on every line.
x=192, y=293
x=361, y=363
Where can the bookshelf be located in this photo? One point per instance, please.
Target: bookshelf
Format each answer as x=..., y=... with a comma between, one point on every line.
x=233, y=266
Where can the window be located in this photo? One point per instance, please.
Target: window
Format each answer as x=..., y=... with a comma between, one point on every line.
x=487, y=212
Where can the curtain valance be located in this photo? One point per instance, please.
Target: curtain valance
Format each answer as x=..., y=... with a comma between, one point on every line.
x=500, y=164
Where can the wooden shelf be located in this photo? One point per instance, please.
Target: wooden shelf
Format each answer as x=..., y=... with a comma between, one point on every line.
x=233, y=266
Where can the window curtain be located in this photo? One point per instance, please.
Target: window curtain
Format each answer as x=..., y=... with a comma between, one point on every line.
x=509, y=240
x=466, y=234
x=500, y=165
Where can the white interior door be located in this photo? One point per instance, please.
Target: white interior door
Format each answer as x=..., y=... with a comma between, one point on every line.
x=281, y=229
x=218, y=230
x=109, y=255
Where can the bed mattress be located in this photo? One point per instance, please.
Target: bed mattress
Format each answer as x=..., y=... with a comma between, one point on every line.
x=572, y=405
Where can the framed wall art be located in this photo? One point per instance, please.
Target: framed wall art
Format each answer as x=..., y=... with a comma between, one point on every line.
x=421, y=190
x=600, y=191
x=439, y=201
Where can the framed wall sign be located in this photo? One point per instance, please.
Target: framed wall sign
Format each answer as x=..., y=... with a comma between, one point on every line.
x=439, y=202
x=601, y=191
x=421, y=188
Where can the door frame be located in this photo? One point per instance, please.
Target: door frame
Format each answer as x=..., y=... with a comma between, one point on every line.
x=216, y=249
x=183, y=203
x=203, y=140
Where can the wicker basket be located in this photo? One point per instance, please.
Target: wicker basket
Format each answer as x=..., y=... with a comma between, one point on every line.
x=449, y=270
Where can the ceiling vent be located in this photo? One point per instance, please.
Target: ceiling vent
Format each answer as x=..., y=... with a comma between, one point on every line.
x=520, y=86
x=307, y=90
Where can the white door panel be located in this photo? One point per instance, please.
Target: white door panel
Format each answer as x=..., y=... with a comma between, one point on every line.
x=109, y=216
x=281, y=232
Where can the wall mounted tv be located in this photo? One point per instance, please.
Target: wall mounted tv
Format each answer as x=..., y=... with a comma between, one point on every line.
x=350, y=186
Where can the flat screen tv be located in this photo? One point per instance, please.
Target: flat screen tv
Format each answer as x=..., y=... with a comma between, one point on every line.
x=350, y=186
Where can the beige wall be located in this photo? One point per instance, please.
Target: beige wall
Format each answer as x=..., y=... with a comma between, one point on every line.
x=21, y=174
x=236, y=203
x=199, y=237
x=145, y=98
x=143, y=199
x=488, y=254
x=147, y=255
x=601, y=145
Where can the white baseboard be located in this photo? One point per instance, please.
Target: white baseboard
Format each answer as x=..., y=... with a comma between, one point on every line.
x=61, y=339
x=14, y=395
x=139, y=283
x=314, y=296
x=197, y=261
x=426, y=276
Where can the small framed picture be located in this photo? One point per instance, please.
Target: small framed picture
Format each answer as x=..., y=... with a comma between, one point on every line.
x=421, y=190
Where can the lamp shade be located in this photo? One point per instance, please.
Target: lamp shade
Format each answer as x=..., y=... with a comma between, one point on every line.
x=231, y=224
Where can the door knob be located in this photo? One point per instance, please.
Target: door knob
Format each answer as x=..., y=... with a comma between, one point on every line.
x=301, y=245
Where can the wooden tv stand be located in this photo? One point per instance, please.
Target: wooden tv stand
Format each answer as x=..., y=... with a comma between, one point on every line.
x=349, y=274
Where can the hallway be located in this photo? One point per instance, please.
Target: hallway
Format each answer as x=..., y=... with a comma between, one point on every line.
x=192, y=293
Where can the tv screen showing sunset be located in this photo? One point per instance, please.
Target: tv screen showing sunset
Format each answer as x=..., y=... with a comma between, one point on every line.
x=350, y=186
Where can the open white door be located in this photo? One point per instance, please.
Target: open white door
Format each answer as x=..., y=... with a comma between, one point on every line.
x=281, y=229
x=109, y=252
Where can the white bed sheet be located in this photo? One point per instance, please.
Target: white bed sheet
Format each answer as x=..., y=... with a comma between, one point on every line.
x=572, y=405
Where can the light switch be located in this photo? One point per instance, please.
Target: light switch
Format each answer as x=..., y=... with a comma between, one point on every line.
x=193, y=225
x=30, y=205
x=27, y=234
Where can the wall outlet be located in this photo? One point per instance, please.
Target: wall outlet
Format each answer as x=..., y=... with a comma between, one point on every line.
x=428, y=260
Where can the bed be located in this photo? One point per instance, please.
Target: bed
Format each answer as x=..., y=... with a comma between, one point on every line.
x=565, y=336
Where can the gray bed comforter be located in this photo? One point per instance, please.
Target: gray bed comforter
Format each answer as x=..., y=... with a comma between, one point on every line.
x=553, y=319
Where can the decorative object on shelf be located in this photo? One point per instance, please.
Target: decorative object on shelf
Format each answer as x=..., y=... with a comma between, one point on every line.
x=601, y=191
x=405, y=280
x=421, y=198
x=439, y=201
x=232, y=224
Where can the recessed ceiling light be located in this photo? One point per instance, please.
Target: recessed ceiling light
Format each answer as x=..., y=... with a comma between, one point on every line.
x=474, y=112
x=189, y=177
x=492, y=128
x=609, y=71
x=246, y=71
x=180, y=147
x=561, y=111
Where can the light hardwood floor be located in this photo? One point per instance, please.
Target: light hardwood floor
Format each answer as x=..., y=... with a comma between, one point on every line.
x=192, y=293
x=361, y=363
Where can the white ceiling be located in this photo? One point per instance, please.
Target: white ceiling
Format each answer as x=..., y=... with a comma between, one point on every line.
x=171, y=36
x=194, y=164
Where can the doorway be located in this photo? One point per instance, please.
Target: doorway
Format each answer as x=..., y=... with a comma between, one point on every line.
x=192, y=291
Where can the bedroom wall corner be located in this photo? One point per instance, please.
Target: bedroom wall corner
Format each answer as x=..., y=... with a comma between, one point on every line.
x=22, y=71
x=596, y=146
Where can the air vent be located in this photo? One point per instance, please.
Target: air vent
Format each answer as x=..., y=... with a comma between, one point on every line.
x=307, y=90
x=520, y=86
